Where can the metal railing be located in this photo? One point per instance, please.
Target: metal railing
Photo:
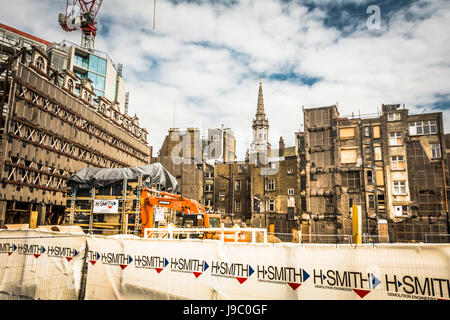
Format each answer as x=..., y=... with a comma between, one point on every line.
x=437, y=237
x=235, y=234
x=368, y=238
x=325, y=238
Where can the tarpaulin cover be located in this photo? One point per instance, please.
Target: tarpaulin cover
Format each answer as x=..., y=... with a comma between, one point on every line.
x=100, y=177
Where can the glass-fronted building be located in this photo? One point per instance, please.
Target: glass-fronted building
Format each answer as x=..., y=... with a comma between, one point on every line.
x=92, y=67
x=98, y=67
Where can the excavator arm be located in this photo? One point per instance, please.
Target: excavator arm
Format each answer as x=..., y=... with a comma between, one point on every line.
x=151, y=198
x=194, y=214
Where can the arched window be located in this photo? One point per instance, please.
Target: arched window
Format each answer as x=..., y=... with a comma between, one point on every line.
x=40, y=64
x=70, y=85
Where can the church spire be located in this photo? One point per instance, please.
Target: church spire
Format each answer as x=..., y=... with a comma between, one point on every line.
x=260, y=126
x=260, y=108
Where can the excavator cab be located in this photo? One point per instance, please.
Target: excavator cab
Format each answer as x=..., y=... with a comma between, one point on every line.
x=191, y=213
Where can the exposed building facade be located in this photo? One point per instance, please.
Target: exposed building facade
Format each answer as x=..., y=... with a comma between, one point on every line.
x=182, y=155
x=392, y=166
x=52, y=126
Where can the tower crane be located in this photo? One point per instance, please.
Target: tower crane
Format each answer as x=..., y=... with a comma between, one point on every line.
x=81, y=14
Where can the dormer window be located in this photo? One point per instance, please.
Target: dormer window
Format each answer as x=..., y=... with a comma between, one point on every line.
x=70, y=85
x=40, y=64
x=87, y=97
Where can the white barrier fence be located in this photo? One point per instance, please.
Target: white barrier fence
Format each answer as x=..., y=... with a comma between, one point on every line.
x=232, y=234
x=47, y=265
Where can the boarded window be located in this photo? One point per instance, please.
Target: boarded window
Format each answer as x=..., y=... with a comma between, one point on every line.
x=380, y=177
x=347, y=133
x=377, y=151
x=348, y=156
x=376, y=132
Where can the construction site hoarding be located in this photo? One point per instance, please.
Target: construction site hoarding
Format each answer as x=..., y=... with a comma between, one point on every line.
x=128, y=267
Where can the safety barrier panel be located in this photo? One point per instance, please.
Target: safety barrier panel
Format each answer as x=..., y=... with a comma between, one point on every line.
x=40, y=265
x=50, y=266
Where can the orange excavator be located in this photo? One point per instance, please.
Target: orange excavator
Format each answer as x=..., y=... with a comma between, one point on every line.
x=192, y=213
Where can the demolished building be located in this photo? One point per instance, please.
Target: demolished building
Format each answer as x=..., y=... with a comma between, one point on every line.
x=392, y=166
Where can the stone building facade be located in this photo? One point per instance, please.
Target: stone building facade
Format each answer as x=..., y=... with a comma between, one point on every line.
x=393, y=166
x=52, y=126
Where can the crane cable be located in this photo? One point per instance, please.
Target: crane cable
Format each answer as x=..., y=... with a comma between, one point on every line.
x=154, y=13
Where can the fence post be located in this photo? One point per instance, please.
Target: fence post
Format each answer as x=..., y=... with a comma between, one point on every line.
x=82, y=293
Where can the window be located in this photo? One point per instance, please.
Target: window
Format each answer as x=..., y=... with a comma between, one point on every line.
x=237, y=206
x=399, y=187
x=350, y=179
x=97, y=64
x=347, y=133
x=367, y=153
x=87, y=96
x=40, y=64
x=208, y=188
x=376, y=132
x=378, y=155
x=237, y=185
x=400, y=211
x=270, y=205
x=99, y=93
x=379, y=175
x=290, y=192
x=395, y=139
x=369, y=176
x=242, y=168
x=82, y=75
x=436, y=151
x=81, y=61
x=70, y=85
x=348, y=156
x=397, y=163
x=208, y=175
x=59, y=62
x=290, y=171
x=371, y=201
x=270, y=185
x=366, y=131
x=423, y=127
x=97, y=80
x=393, y=116
x=208, y=203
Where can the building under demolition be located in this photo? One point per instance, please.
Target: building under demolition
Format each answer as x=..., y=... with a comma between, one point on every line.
x=53, y=124
x=392, y=166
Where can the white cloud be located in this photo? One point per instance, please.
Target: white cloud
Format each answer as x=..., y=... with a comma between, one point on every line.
x=206, y=60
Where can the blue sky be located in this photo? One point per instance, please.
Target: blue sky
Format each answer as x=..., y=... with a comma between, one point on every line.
x=206, y=57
